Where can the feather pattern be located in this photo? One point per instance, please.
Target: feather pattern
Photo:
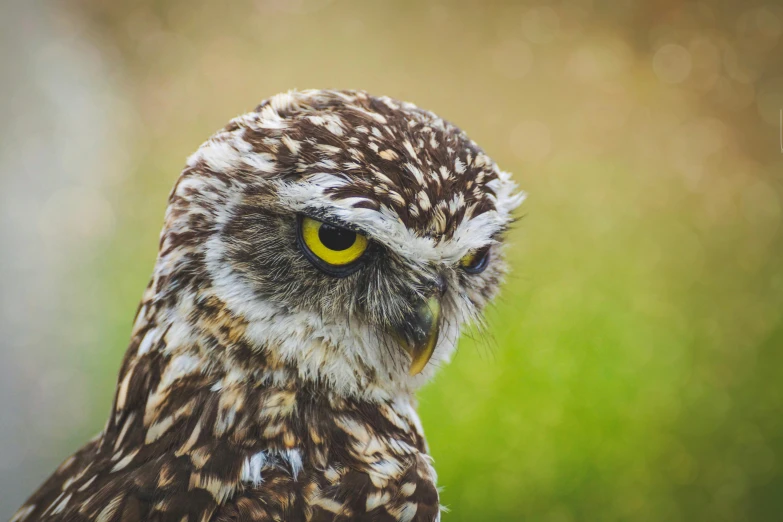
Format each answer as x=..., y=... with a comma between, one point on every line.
x=256, y=387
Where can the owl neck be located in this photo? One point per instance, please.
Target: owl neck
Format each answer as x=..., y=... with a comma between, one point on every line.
x=196, y=361
x=197, y=333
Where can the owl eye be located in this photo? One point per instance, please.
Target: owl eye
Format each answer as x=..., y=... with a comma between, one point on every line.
x=475, y=261
x=334, y=249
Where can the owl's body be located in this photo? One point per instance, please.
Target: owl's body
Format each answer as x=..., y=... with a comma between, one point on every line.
x=318, y=258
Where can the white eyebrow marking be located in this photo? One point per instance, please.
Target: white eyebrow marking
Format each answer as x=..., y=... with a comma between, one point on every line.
x=386, y=227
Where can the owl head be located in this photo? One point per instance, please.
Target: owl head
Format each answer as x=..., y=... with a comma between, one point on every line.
x=340, y=238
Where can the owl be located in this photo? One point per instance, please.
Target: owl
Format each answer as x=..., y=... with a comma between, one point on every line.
x=318, y=258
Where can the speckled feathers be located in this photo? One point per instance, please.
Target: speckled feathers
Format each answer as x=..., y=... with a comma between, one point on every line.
x=257, y=387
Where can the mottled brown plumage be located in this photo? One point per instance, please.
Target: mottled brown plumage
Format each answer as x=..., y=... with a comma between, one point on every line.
x=260, y=385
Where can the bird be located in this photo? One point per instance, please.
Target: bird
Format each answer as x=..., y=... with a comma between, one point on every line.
x=318, y=259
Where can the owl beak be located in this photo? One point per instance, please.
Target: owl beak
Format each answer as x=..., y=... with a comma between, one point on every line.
x=419, y=334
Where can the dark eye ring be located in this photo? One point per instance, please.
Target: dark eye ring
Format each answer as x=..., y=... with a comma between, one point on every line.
x=476, y=261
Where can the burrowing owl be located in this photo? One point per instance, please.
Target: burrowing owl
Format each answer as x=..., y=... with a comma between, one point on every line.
x=318, y=258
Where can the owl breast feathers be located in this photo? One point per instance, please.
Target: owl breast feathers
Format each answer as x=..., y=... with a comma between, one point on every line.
x=318, y=258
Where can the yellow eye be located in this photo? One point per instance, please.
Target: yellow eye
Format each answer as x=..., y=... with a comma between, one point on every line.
x=334, y=246
x=475, y=261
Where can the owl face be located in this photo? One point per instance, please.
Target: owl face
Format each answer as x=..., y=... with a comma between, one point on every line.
x=354, y=235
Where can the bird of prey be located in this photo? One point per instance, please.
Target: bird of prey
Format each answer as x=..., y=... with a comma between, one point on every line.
x=317, y=260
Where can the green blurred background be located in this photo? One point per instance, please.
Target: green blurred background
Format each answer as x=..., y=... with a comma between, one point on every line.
x=634, y=365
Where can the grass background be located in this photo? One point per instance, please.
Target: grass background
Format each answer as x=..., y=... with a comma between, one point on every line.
x=632, y=369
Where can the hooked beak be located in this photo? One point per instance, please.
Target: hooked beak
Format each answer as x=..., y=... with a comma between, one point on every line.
x=419, y=333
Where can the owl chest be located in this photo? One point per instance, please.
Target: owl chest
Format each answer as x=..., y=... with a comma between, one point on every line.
x=378, y=487
x=343, y=465
x=193, y=452
x=321, y=479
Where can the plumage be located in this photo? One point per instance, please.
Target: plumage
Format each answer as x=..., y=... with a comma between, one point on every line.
x=264, y=384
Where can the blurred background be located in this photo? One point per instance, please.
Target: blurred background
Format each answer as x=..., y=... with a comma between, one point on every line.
x=635, y=361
